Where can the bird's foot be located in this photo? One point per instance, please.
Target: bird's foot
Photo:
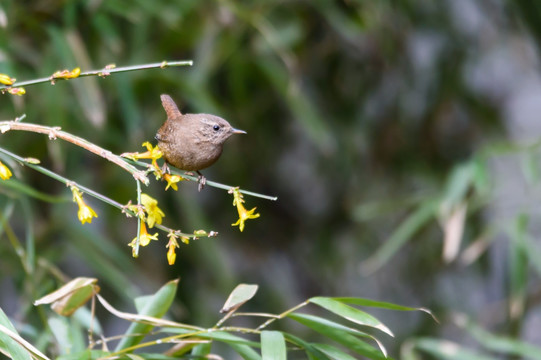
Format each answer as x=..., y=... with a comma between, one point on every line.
x=202, y=181
x=166, y=169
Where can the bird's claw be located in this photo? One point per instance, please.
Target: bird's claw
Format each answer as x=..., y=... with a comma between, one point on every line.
x=201, y=180
x=166, y=169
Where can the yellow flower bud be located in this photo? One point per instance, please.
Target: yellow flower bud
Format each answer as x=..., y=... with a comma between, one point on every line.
x=5, y=173
x=6, y=79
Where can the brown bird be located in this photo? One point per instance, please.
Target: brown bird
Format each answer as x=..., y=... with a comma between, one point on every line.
x=192, y=142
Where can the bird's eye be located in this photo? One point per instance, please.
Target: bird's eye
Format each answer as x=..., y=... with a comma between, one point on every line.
x=216, y=127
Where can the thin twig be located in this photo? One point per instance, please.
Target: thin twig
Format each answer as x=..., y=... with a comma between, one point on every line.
x=208, y=182
x=107, y=70
x=55, y=132
x=282, y=315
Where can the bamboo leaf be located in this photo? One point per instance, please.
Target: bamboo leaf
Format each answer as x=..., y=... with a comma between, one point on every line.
x=240, y=295
x=70, y=296
x=337, y=333
x=202, y=350
x=443, y=349
x=500, y=344
x=273, y=345
x=8, y=344
x=246, y=352
x=67, y=335
x=333, y=352
x=350, y=313
x=382, y=305
x=156, y=307
x=222, y=336
x=6, y=335
x=311, y=350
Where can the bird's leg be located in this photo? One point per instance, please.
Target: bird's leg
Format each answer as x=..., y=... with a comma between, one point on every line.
x=165, y=168
x=202, y=181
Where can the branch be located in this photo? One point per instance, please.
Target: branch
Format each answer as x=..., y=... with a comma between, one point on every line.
x=107, y=70
x=55, y=132
x=93, y=193
x=215, y=184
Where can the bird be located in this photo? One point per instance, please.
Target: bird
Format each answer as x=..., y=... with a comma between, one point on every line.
x=192, y=142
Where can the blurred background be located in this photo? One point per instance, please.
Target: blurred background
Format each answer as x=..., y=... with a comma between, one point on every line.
x=402, y=139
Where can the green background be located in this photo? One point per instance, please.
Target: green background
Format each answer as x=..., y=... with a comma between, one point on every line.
x=369, y=120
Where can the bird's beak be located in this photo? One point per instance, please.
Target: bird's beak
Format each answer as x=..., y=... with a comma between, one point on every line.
x=237, y=131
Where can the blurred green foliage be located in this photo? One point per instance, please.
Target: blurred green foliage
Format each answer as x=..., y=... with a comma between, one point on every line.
x=376, y=123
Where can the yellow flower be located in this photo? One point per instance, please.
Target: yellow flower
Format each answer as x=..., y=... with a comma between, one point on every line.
x=144, y=238
x=85, y=213
x=172, y=181
x=243, y=213
x=153, y=152
x=171, y=255
x=154, y=213
x=172, y=245
x=5, y=173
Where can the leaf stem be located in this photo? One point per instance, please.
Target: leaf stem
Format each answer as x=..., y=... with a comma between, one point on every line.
x=282, y=315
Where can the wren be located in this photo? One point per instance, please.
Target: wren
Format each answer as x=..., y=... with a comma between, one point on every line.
x=192, y=142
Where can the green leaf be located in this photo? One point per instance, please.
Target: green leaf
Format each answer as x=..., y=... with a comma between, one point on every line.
x=458, y=183
x=141, y=302
x=85, y=355
x=443, y=349
x=501, y=344
x=333, y=352
x=240, y=295
x=8, y=344
x=273, y=345
x=352, y=314
x=242, y=346
x=136, y=357
x=155, y=356
x=157, y=306
x=337, y=333
x=310, y=349
x=518, y=266
x=381, y=305
x=67, y=334
x=245, y=351
x=222, y=336
x=86, y=319
x=202, y=350
x=70, y=296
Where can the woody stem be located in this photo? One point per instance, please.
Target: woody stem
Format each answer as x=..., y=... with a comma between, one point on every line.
x=55, y=132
